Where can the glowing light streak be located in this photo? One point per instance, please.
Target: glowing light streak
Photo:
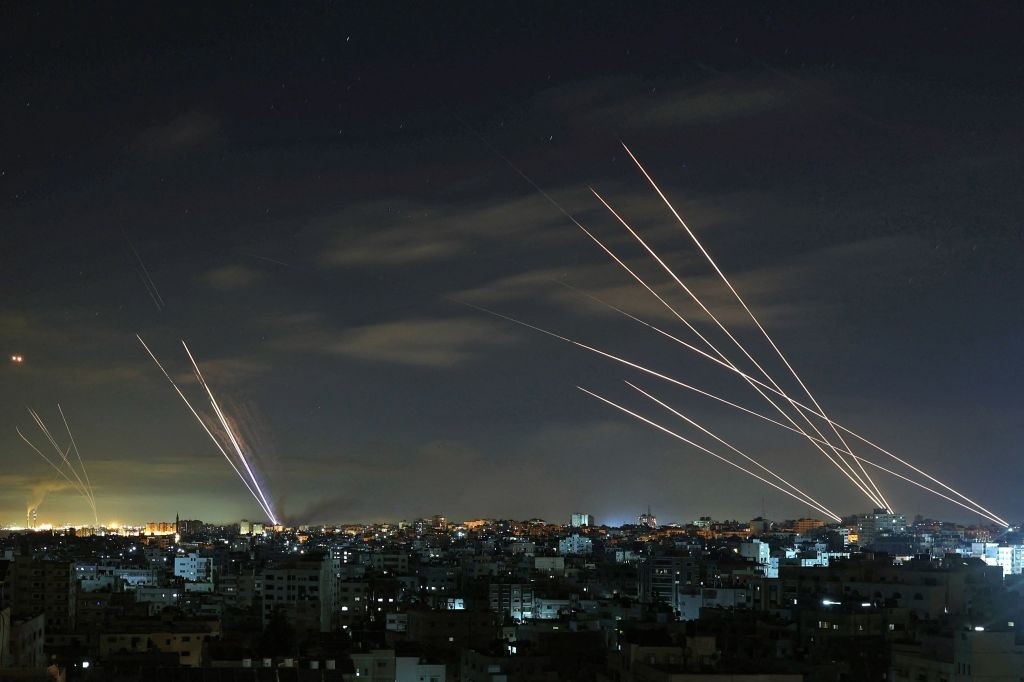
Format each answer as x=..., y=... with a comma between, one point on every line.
x=796, y=403
x=860, y=482
x=64, y=456
x=202, y=423
x=749, y=312
x=230, y=433
x=808, y=499
x=693, y=444
x=977, y=509
x=664, y=377
x=81, y=464
x=76, y=484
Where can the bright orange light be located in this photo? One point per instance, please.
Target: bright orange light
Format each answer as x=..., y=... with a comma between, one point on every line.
x=17, y=359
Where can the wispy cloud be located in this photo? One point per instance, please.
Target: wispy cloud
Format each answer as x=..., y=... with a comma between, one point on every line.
x=422, y=342
x=232, y=277
x=182, y=132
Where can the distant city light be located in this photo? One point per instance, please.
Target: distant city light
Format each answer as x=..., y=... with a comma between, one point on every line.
x=17, y=359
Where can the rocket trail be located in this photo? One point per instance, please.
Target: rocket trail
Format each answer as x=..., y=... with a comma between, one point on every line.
x=202, y=423
x=977, y=508
x=861, y=483
x=60, y=451
x=56, y=468
x=810, y=501
x=994, y=519
x=743, y=303
x=664, y=377
x=81, y=464
x=727, y=363
x=77, y=486
x=984, y=512
x=696, y=445
x=147, y=281
x=577, y=223
x=796, y=403
x=229, y=431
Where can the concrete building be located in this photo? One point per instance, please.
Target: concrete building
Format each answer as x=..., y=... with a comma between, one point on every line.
x=182, y=638
x=878, y=524
x=805, y=526
x=512, y=599
x=303, y=590
x=47, y=587
x=582, y=520
x=967, y=655
x=575, y=544
x=194, y=567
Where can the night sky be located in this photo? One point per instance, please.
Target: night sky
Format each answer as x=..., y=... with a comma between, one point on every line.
x=312, y=186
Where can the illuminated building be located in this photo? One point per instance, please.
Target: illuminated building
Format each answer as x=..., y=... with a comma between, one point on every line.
x=193, y=567
x=647, y=520
x=581, y=520
x=879, y=523
x=804, y=526
x=515, y=600
x=576, y=544
x=160, y=528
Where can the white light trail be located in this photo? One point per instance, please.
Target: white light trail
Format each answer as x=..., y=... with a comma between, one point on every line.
x=209, y=433
x=64, y=456
x=81, y=464
x=230, y=433
x=810, y=501
x=855, y=479
x=859, y=482
x=696, y=445
x=77, y=483
x=979, y=509
x=796, y=403
x=743, y=303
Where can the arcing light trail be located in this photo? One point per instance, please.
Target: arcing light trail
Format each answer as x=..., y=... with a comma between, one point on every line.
x=83, y=486
x=873, y=495
x=706, y=450
x=978, y=509
x=809, y=500
x=797, y=404
x=839, y=451
x=229, y=431
x=743, y=303
x=854, y=478
x=147, y=281
x=253, y=488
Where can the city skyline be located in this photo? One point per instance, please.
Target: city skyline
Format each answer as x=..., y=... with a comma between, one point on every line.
x=309, y=220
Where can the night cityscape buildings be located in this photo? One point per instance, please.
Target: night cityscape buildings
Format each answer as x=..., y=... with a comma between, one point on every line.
x=517, y=600
x=599, y=342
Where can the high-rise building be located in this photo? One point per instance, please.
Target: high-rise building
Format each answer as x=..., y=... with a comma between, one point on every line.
x=878, y=524
x=43, y=586
x=303, y=590
x=515, y=600
x=581, y=520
